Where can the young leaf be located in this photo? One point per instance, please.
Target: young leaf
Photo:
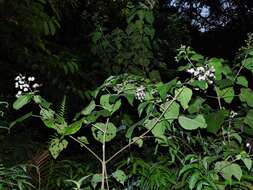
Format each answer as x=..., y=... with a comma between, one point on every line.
x=213, y=125
x=249, y=118
x=172, y=112
x=99, y=129
x=192, y=124
x=228, y=169
x=96, y=178
x=246, y=95
x=22, y=101
x=120, y=176
x=56, y=146
x=89, y=108
x=73, y=128
x=184, y=96
x=241, y=80
x=227, y=94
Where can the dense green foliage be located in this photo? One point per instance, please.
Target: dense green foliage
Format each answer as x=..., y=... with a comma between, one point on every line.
x=109, y=98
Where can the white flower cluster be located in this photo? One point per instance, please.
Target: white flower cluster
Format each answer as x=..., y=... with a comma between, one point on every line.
x=233, y=114
x=205, y=73
x=140, y=93
x=23, y=84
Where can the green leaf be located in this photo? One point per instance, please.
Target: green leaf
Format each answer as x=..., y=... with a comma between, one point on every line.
x=99, y=129
x=96, y=178
x=83, y=139
x=241, y=80
x=22, y=101
x=56, y=146
x=199, y=84
x=228, y=169
x=193, y=180
x=249, y=118
x=120, y=176
x=184, y=97
x=73, y=128
x=227, y=94
x=192, y=124
x=247, y=162
x=217, y=64
x=172, y=112
x=213, y=125
x=141, y=107
x=246, y=95
x=89, y=108
x=196, y=105
x=158, y=130
x=105, y=102
x=130, y=98
x=162, y=90
x=116, y=106
x=248, y=64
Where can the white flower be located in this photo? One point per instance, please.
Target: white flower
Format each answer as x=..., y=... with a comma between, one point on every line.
x=36, y=85
x=140, y=93
x=205, y=73
x=191, y=70
x=233, y=114
x=31, y=79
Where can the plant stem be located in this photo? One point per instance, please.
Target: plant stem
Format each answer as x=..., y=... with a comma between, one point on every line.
x=146, y=132
x=85, y=146
x=104, y=173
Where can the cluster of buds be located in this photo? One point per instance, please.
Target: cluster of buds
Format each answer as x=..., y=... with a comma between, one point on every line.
x=205, y=73
x=140, y=93
x=25, y=84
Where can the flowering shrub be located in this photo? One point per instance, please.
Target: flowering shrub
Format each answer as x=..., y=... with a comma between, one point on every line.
x=204, y=139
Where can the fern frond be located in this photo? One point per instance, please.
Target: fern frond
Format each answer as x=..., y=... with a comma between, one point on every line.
x=62, y=111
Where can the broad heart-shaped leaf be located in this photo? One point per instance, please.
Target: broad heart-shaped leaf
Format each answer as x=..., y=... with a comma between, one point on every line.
x=56, y=146
x=105, y=102
x=196, y=105
x=227, y=94
x=73, y=128
x=99, y=129
x=89, y=108
x=246, y=95
x=96, y=178
x=192, y=123
x=172, y=112
x=184, y=97
x=241, y=80
x=247, y=162
x=228, y=169
x=159, y=129
x=214, y=121
x=248, y=64
x=217, y=64
x=249, y=118
x=120, y=176
x=22, y=101
x=162, y=90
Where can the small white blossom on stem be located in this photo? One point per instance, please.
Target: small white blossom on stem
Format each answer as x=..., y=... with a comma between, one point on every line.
x=25, y=84
x=140, y=93
x=233, y=114
x=205, y=73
